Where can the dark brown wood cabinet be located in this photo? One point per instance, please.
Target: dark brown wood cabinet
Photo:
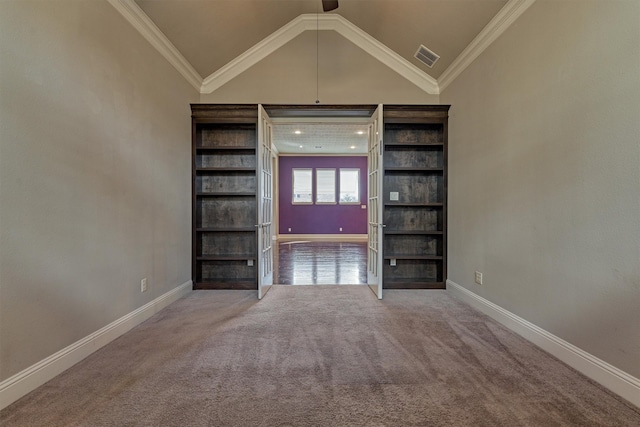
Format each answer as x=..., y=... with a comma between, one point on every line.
x=225, y=195
x=224, y=144
x=415, y=196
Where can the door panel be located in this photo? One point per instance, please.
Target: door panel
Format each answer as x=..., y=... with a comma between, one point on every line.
x=265, y=204
x=375, y=227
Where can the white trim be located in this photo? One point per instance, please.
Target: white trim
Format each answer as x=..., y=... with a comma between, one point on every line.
x=23, y=382
x=616, y=380
x=311, y=22
x=383, y=54
x=141, y=22
x=322, y=237
x=498, y=25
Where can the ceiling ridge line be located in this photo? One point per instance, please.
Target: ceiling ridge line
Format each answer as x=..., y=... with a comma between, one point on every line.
x=312, y=22
x=148, y=29
x=509, y=13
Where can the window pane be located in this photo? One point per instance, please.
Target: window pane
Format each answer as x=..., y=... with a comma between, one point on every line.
x=325, y=185
x=349, y=185
x=302, y=186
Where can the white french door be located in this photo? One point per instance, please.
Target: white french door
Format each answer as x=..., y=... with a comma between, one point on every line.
x=265, y=204
x=375, y=232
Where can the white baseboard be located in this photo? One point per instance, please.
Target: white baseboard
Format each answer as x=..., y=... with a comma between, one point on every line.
x=322, y=237
x=23, y=382
x=616, y=380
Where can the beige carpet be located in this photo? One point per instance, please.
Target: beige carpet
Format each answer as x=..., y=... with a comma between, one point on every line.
x=320, y=356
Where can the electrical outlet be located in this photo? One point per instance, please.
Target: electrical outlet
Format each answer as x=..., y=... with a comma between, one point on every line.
x=340, y=228
x=249, y=263
x=393, y=262
x=478, y=278
x=394, y=196
x=289, y=230
x=363, y=206
x=143, y=285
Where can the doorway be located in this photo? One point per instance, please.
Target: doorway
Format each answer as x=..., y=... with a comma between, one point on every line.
x=325, y=238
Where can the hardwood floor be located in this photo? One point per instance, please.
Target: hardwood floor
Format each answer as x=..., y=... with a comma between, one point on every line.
x=321, y=263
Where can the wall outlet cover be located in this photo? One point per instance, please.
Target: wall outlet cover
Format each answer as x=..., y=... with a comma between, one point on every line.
x=478, y=278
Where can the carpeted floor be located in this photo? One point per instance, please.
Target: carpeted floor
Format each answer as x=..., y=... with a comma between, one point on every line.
x=320, y=356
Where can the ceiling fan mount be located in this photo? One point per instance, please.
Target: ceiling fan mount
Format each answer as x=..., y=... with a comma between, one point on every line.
x=329, y=5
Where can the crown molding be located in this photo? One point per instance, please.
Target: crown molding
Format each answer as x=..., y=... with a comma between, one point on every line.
x=141, y=22
x=253, y=55
x=312, y=22
x=385, y=55
x=498, y=25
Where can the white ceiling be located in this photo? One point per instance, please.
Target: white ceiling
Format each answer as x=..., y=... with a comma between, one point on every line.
x=320, y=138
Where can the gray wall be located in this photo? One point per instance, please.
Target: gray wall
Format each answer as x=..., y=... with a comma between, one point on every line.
x=544, y=190
x=94, y=175
x=346, y=75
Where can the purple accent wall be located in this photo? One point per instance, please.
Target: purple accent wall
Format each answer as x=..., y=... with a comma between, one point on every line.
x=321, y=219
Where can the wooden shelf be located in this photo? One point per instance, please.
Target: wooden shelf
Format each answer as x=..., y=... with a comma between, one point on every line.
x=411, y=232
x=226, y=258
x=248, y=284
x=224, y=230
x=411, y=169
x=409, y=144
x=226, y=148
x=235, y=169
x=415, y=166
x=225, y=194
x=426, y=205
x=412, y=284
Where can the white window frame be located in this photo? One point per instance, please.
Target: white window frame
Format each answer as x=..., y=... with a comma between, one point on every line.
x=317, y=186
x=293, y=186
x=354, y=202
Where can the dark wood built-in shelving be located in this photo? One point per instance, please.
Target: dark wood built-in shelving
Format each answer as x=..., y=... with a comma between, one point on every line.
x=224, y=196
x=225, y=193
x=415, y=167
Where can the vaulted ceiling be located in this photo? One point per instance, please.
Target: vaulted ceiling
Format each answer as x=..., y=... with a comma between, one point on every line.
x=211, y=33
x=210, y=42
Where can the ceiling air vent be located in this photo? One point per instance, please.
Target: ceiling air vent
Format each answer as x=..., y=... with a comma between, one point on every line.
x=426, y=56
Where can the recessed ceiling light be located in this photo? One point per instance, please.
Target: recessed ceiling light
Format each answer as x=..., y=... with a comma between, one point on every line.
x=297, y=132
x=360, y=132
x=301, y=146
x=353, y=147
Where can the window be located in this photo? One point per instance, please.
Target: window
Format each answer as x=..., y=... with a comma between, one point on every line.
x=349, y=186
x=325, y=185
x=302, y=186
